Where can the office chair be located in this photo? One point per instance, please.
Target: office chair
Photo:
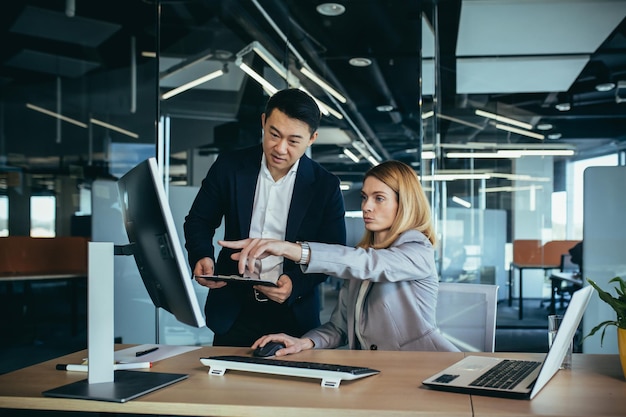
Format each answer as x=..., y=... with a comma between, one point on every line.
x=466, y=315
x=564, y=283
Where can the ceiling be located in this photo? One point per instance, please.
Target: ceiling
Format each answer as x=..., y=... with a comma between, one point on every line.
x=516, y=58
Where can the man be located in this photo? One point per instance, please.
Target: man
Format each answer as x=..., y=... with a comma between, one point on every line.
x=273, y=190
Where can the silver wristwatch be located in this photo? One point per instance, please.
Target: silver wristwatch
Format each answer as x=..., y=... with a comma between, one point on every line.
x=306, y=252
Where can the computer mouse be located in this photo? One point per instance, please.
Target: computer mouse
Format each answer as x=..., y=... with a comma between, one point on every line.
x=269, y=349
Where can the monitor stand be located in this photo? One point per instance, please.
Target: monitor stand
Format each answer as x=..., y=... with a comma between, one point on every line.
x=103, y=383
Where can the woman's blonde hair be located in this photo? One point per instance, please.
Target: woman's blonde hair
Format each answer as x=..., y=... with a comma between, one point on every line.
x=413, y=205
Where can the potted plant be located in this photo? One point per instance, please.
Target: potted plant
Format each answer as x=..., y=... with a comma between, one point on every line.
x=619, y=305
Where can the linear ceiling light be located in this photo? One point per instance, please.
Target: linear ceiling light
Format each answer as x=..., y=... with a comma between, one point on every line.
x=326, y=109
x=503, y=119
x=267, y=86
x=511, y=153
x=536, y=152
x=351, y=155
x=427, y=115
x=460, y=121
x=57, y=115
x=270, y=60
x=317, y=80
x=461, y=202
x=509, y=189
x=452, y=177
x=191, y=84
x=113, y=127
x=428, y=155
x=520, y=131
x=372, y=160
x=478, y=155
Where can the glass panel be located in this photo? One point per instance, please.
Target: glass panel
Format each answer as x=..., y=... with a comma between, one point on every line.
x=42, y=216
x=4, y=216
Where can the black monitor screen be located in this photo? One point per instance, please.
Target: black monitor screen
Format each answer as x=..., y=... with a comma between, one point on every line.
x=155, y=245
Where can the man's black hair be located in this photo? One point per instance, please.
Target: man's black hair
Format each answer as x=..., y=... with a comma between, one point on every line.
x=297, y=105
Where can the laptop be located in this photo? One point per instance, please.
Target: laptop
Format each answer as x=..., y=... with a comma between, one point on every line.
x=468, y=375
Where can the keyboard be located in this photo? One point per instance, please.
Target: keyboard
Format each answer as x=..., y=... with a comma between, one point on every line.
x=506, y=375
x=330, y=374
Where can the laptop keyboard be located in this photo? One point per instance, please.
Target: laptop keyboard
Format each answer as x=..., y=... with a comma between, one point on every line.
x=505, y=375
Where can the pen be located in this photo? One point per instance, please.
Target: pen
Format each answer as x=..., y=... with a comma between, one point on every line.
x=145, y=352
x=117, y=366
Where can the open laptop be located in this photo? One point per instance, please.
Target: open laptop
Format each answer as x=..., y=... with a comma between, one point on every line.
x=467, y=375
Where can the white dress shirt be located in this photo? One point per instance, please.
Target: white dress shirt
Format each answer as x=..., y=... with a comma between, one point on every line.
x=272, y=200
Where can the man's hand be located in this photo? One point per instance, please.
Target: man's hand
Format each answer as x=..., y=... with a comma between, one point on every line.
x=253, y=249
x=205, y=266
x=278, y=294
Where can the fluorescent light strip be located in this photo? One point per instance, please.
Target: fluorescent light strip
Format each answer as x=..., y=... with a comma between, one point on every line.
x=452, y=177
x=323, y=108
x=461, y=202
x=269, y=88
x=192, y=84
x=354, y=214
x=509, y=189
x=351, y=155
x=428, y=155
x=317, y=80
x=57, y=115
x=113, y=127
x=479, y=155
x=428, y=115
x=520, y=131
x=456, y=120
x=330, y=110
x=269, y=59
x=372, y=160
x=536, y=152
x=503, y=119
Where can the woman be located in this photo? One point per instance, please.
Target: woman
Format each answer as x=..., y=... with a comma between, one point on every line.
x=389, y=298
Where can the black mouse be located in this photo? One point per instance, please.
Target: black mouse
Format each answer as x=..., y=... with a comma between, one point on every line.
x=269, y=349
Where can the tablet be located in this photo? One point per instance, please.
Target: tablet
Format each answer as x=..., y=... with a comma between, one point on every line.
x=239, y=280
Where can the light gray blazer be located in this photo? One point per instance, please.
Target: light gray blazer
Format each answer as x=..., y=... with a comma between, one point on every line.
x=399, y=308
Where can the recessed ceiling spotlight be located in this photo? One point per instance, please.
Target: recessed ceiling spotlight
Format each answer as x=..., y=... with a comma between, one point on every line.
x=544, y=126
x=330, y=9
x=554, y=136
x=563, y=107
x=360, y=62
x=605, y=87
x=384, y=108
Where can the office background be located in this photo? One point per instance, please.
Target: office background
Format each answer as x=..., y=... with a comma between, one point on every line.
x=85, y=97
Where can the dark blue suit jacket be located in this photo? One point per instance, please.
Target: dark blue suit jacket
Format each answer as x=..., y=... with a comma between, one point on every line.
x=316, y=214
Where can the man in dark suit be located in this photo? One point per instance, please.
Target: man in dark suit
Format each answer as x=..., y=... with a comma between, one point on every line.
x=268, y=190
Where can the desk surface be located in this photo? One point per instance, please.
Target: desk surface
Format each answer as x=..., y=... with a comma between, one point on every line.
x=40, y=277
x=594, y=386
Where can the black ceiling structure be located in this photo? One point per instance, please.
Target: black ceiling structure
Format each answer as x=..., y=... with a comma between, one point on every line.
x=421, y=54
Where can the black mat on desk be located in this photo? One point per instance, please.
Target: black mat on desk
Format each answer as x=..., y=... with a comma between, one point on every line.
x=127, y=385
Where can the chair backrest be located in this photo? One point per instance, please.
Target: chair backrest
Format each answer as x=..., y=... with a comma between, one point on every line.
x=567, y=265
x=466, y=315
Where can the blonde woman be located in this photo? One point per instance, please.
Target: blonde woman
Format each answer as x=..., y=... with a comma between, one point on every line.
x=389, y=297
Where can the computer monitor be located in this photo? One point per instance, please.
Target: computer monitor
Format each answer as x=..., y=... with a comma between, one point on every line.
x=154, y=243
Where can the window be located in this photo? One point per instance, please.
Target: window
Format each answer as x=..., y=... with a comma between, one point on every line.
x=42, y=216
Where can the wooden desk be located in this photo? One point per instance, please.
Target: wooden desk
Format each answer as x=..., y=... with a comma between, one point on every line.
x=521, y=268
x=593, y=387
x=396, y=391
